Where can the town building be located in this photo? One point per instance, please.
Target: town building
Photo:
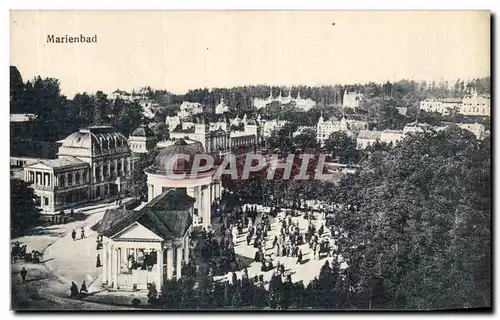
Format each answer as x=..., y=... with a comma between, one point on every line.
x=367, y=138
x=149, y=245
x=221, y=135
x=121, y=94
x=351, y=99
x=475, y=105
x=93, y=163
x=142, y=140
x=477, y=129
x=202, y=185
x=325, y=128
x=222, y=107
x=272, y=125
x=189, y=109
x=442, y=106
x=299, y=102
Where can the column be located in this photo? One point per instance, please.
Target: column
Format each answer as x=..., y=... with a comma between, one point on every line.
x=212, y=194
x=106, y=263
x=179, y=262
x=150, y=192
x=102, y=172
x=159, y=263
x=206, y=207
x=197, y=196
x=117, y=266
x=112, y=268
x=186, y=249
x=170, y=261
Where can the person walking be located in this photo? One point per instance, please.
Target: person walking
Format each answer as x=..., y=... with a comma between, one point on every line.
x=73, y=234
x=74, y=290
x=82, y=235
x=24, y=273
x=98, y=261
x=299, y=257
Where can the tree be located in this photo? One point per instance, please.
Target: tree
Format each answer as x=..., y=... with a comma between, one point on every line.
x=16, y=89
x=306, y=140
x=420, y=236
x=101, y=108
x=342, y=146
x=23, y=211
x=139, y=188
x=130, y=118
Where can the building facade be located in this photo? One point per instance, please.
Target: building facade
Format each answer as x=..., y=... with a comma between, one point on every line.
x=299, y=102
x=142, y=140
x=475, y=105
x=92, y=164
x=352, y=99
x=147, y=246
x=442, y=106
x=325, y=128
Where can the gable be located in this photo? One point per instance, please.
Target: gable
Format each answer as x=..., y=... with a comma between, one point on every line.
x=39, y=166
x=136, y=231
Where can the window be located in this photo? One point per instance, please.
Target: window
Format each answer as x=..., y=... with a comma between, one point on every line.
x=62, y=181
x=45, y=201
x=119, y=166
x=98, y=173
x=70, y=179
x=77, y=178
x=84, y=176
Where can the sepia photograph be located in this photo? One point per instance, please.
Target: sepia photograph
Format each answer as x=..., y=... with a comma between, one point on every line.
x=250, y=160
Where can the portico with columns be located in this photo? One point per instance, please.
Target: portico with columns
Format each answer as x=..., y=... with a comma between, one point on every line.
x=149, y=245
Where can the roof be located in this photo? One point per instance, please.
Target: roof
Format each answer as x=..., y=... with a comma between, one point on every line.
x=60, y=162
x=178, y=157
x=168, y=215
x=367, y=134
x=143, y=131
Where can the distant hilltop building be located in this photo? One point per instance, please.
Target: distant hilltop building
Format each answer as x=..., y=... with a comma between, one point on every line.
x=352, y=99
x=304, y=104
x=189, y=109
x=121, y=94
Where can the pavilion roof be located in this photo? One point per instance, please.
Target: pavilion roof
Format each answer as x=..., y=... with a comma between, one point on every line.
x=168, y=215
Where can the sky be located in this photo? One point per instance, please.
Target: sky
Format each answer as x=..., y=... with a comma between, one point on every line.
x=181, y=50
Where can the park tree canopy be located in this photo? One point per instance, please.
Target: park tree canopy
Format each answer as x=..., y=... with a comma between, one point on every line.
x=422, y=224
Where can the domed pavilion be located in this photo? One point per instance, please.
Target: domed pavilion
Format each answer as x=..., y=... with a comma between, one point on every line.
x=201, y=186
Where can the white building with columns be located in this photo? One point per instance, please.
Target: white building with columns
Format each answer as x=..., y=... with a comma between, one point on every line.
x=92, y=164
x=149, y=245
x=201, y=186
